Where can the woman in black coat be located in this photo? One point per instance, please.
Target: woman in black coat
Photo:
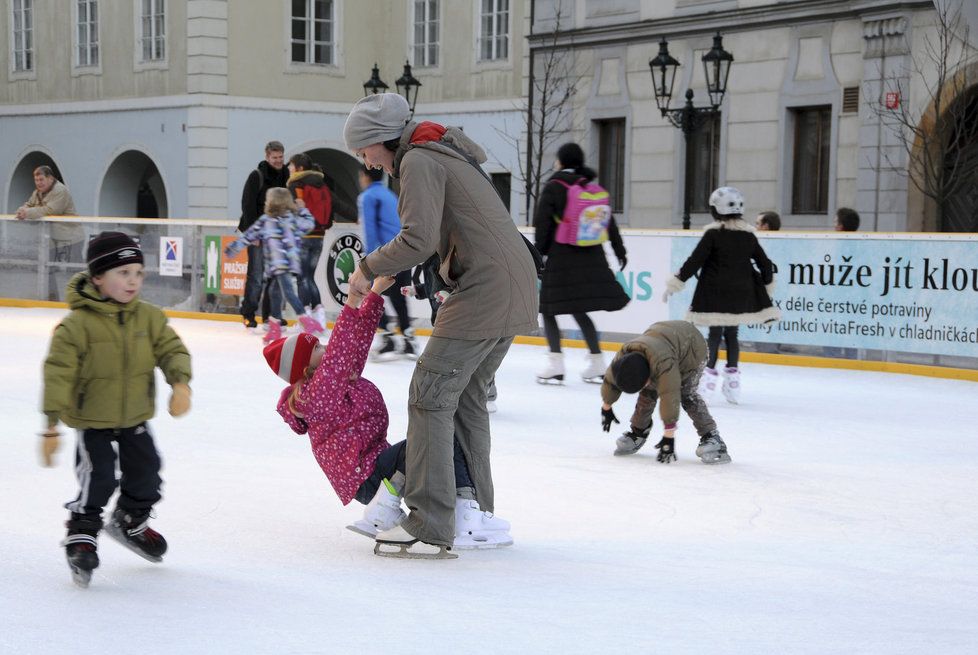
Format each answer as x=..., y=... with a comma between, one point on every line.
x=576, y=279
x=730, y=291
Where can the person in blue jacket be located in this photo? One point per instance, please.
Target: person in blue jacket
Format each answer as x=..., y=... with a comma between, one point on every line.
x=377, y=207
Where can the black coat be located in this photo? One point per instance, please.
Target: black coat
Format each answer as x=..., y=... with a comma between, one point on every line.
x=261, y=179
x=576, y=279
x=730, y=291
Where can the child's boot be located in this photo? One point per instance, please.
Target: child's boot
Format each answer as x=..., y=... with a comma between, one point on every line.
x=630, y=442
x=708, y=384
x=553, y=373
x=477, y=529
x=594, y=372
x=130, y=527
x=382, y=513
x=274, y=331
x=81, y=546
x=310, y=324
x=387, y=349
x=319, y=313
x=712, y=450
x=731, y=385
x=409, y=348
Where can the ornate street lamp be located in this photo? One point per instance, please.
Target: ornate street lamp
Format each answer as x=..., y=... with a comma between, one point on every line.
x=688, y=118
x=408, y=86
x=374, y=84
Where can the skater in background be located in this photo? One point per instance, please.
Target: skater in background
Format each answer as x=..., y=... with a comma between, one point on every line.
x=99, y=378
x=768, y=222
x=664, y=364
x=377, y=207
x=346, y=419
x=730, y=291
x=577, y=278
x=308, y=187
x=279, y=231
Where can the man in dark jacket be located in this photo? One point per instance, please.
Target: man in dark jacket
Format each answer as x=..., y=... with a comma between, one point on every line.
x=268, y=174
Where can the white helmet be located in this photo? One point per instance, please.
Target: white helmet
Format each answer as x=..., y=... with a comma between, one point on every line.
x=727, y=201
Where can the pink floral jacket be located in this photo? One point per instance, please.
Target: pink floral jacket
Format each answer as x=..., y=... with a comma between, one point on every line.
x=344, y=414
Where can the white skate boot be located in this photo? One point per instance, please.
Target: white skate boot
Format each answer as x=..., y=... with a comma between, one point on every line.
x=382, y=513
x=708, y=384
x=594, y=373
x=476, y=529
x=554, y=371
x=731, y=385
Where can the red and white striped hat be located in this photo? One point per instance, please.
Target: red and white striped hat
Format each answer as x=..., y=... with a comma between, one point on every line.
x=290, y=356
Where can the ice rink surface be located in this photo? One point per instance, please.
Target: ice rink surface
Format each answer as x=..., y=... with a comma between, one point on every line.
x=845, y=524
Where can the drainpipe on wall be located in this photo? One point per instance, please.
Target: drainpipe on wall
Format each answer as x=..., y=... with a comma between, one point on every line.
x=879, y=127
x=529, y=121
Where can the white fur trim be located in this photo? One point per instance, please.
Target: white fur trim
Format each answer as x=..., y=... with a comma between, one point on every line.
x=675, y=285
x=737, y=224
x=715, y=318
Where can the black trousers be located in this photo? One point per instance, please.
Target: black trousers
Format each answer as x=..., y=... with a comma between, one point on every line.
x=402, y=279
x=393, y=460
x=95, y=468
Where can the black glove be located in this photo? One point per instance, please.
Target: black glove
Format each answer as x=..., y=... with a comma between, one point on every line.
x=607, y=417
x=622, y=261
x=667, y=450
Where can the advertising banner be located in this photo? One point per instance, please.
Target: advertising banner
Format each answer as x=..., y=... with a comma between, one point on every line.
x=883, y=292
x=171, y=256
x=224, y=275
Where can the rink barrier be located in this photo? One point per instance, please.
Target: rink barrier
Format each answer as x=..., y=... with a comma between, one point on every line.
x=613, y=346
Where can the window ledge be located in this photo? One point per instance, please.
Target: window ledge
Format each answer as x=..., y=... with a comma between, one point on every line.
x=28, y=75
x=295, y=68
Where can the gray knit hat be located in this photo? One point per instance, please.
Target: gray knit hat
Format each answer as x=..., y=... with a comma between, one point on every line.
x=377, y=118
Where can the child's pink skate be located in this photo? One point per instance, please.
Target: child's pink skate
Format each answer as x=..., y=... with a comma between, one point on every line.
x=274, y=331
x=310, y=324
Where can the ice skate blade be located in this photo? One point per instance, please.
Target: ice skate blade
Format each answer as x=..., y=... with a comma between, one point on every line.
x=80, y=577
x=113, y=531
x=413, y=550
x=594, y=379
x=468, y=543
x=716, y=458
x=557, y=380
x=359, y=528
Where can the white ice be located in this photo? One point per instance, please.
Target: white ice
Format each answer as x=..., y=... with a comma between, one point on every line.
x=845, y=524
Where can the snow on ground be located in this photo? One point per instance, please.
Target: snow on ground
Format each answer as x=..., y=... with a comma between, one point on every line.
x=845, y=524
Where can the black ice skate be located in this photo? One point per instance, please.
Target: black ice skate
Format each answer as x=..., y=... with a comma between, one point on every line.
x=387, y=350
x=398, y=542
x=632, y=441
x=712, y=450
x=131, y=529
x=409, y=349
x=81, y=547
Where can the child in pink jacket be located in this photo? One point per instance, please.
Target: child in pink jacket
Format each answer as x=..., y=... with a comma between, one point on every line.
x=346, y=419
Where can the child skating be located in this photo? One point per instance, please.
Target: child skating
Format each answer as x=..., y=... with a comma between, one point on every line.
x=279, y=231
x=346, y=419
x=99, y=378
x=664, y=364
x=730, y=291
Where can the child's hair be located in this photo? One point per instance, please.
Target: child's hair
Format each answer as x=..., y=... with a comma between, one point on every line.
x=301, y=160
x=772, y=220
x=278, y=201
x=296, y=392
x=848, y=219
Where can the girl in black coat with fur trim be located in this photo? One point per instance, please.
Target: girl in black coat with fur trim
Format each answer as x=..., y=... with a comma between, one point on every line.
x=730, y=291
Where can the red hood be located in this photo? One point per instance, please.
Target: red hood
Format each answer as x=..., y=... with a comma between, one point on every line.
x=428, y=131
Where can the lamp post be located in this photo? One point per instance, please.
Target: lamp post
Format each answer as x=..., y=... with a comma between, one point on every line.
x=688, y=118
x=408, y=86
x=374, y=84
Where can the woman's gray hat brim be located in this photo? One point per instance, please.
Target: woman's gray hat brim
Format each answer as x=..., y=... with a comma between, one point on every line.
x=375, y=119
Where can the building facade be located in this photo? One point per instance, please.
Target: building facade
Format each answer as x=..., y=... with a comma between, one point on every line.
x=799, y=130
x=162, y=107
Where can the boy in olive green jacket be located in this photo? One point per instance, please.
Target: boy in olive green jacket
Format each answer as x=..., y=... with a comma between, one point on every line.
x=99, y=377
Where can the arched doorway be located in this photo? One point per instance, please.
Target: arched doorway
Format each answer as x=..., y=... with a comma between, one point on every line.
x=133, y=187
x=960, y=166
x=22, y=181
x=343, y=170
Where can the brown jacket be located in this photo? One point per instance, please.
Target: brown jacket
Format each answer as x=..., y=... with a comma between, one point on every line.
x=676, y=351
x=56, y=202
x=448, y=206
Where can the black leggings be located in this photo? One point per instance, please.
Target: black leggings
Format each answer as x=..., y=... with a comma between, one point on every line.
x=729, y=334
x=587, y=328
x=393, y=460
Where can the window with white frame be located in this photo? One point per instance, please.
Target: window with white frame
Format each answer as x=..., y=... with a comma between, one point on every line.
x=87, y=54
x=493, y=30
x=152, y=39
x=426, y=32
x=23, y=35
x=312, y=31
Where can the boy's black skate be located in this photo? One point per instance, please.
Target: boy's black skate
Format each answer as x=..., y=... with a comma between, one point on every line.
x=712, y=450
x=632, y=441
x=131, y=529
x=81, y=547
x=409, y=349
x=387, y=350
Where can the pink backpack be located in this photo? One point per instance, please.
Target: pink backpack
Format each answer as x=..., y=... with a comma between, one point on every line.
x=586, y=215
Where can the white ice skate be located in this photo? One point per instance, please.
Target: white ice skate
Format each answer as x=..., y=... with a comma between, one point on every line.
x=731, y=385
x=708, y=384
x=319, y=313
x=554, y=371
x=398, y=542
x=382, y=513
x=475, y=529
x=594, y=372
